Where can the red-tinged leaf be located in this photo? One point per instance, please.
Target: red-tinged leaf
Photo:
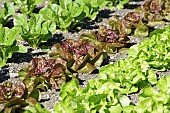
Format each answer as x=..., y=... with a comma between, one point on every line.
x=141, y=30
x=31, y=101
x=57, y=82
x=79, y=61
x=98, y=59
x=19, y=89
x=56, y=50
x=155, y=23
x=154, y=6
x=9, y=91
x=134, y=17
x=77, y=52
x=87, y=68
x=42, y=70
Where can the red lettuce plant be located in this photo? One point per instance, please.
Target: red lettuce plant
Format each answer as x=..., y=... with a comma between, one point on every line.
x=80, y=55
x=45, y=73
x=153, y=12
x=110, y=40
x=134, y=17
x=137, y=22
x=132, y=23
x=14, y=97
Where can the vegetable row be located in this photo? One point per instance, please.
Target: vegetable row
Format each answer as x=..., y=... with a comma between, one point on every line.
x=65, y=13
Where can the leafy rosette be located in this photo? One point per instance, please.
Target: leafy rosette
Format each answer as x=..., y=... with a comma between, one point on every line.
x=99, y=96
x=6, y=12
x=14, y=97
x=120, y=26
x=35, y=30
x=132, y=23
x=26, y=6
x=135, y=20
x=134, y=17
x=44, y=74
x=130, y=74
x=8, y=44
x=156, y=12
x=155, y=50
x=110, y=40
x=80, y=55
x=10, y=91
x=152, y=100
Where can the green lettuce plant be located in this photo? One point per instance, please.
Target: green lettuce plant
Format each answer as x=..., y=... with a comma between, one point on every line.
x=91, y=8
x=98, y=96
x=6, y=12
x=118, y=3
x=66, y=18
x=37, y=108
x=8, y=44
x=68, y=13
x=154, y=51
x=26, y=6
x=36, y=30
x=131, y=75
x=152, y=100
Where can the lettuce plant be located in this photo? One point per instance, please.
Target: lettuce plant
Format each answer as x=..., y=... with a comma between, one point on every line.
x=8, y=44
x=37, y=108
x=134, y=17
x=131, y=75
x=110, y=40
x=118, y=3
x=100, y=96
x=91, y=8
x=6, y=12
x=26, y=6
x=131, y=24
x=154, y=12
x=80, y=55
x=153, y=51
x=138, y=22
x=151, y=100
x=36, y=30
x=68, y=13
x=14, y=97
x=65, y=18
x=44, y=74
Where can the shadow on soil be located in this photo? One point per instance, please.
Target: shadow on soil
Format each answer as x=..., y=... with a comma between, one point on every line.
x=4, y=75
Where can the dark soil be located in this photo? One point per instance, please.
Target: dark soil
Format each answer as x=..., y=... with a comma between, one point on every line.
x=50, y=98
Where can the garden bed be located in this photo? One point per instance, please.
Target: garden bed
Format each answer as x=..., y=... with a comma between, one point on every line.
x=50, y=98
